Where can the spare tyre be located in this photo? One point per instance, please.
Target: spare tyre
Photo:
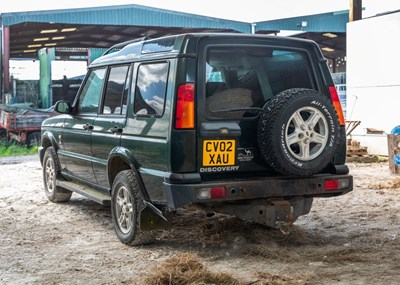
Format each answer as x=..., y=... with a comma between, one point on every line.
x=298, y=132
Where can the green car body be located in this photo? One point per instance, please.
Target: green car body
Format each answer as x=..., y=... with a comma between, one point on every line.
x=144, y=112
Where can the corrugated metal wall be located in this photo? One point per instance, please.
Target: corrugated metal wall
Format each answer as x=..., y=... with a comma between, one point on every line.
x=134, y=15
x=327, y=22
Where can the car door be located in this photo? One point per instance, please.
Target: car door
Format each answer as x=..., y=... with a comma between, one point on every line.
x=108, y=126
x=76, y=155
x=147, y=129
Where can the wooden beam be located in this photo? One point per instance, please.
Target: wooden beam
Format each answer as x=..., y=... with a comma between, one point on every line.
x=355, y=13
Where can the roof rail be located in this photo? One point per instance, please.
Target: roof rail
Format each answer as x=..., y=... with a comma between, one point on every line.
x=124, y=44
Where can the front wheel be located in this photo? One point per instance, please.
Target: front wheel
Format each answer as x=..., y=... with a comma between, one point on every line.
x=126, y=205
x=51, y=170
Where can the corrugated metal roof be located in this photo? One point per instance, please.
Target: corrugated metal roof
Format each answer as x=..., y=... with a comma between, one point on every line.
x=102, y=27
x=326, y=22
x=134, y=15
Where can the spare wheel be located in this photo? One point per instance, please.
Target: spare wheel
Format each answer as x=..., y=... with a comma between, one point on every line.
x=298, y=132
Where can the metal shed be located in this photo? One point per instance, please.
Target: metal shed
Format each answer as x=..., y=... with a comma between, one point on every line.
x=327, y=29
x=74, y=31
x=101, y=27
x=86, y=32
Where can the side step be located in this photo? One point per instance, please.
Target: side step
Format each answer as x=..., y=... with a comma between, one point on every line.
x=84, y=190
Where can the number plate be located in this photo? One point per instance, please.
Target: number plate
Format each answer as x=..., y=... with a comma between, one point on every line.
x=218, y=152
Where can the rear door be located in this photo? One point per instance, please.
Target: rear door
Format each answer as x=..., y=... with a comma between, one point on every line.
x=236, y=79
x=146, y=133
x=109, y=125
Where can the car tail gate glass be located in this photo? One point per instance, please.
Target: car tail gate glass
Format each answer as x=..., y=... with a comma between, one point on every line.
x=241, y=79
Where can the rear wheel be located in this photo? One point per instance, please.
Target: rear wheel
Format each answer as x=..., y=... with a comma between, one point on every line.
x=126, y=205
x=51, y=171
x=33, y=139
x=3, y=134
x=298, y=132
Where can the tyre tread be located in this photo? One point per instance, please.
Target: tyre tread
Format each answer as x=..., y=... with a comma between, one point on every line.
x=138, y=237
x=59, y=195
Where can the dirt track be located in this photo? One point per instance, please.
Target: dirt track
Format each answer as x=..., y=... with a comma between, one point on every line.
x=353, y=239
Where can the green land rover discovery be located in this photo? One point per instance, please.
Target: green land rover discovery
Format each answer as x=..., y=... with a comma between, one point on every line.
x=245, y=125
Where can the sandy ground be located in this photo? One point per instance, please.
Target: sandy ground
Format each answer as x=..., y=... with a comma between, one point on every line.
x=353, y=239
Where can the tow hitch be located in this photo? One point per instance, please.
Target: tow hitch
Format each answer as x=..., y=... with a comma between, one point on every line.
x=279, y=214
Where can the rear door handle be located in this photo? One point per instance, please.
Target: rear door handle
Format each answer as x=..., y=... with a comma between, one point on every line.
x=217, y=129
x=87, y=127
x=116, y=130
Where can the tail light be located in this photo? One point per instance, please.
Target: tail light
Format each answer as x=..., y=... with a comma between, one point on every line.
x=338, y=184
x=332, y=185
x=212, y=193
x=218, y=192
x=184, y=117
x=336, y=104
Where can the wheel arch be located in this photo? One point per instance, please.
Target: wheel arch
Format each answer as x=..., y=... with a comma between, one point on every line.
x=120, y=159
x=47, y=141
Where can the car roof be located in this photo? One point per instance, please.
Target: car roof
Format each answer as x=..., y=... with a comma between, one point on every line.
x=176, y=44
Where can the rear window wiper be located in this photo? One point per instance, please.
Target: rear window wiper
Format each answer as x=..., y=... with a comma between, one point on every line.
x=251, y=109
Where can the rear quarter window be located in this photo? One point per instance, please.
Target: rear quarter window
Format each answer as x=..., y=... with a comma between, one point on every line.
x=150, y=89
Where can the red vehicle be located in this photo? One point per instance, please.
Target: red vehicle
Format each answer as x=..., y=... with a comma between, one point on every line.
x=22, y=124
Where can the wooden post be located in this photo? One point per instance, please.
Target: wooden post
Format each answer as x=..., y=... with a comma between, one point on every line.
x=355, y=13
x=6, y=63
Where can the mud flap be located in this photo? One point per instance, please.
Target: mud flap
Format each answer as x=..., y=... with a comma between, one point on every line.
x=151, y=218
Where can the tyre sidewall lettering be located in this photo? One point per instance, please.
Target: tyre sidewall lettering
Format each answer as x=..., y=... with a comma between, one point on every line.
x=328, y=148
x=332, y=131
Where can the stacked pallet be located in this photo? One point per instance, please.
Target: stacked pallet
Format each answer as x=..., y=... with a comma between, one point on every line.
x=355, y=148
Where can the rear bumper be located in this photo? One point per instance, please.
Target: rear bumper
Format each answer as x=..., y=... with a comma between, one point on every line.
x=179, y=195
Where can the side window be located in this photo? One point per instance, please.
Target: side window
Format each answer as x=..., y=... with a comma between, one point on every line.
x=90, y=96
x=150, y=90
x=116, y=91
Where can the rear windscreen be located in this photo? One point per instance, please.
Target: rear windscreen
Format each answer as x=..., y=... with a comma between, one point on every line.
x=240, y=78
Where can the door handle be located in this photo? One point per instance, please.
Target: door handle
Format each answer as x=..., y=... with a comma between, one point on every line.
x=87, y=127
x=116, y=130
